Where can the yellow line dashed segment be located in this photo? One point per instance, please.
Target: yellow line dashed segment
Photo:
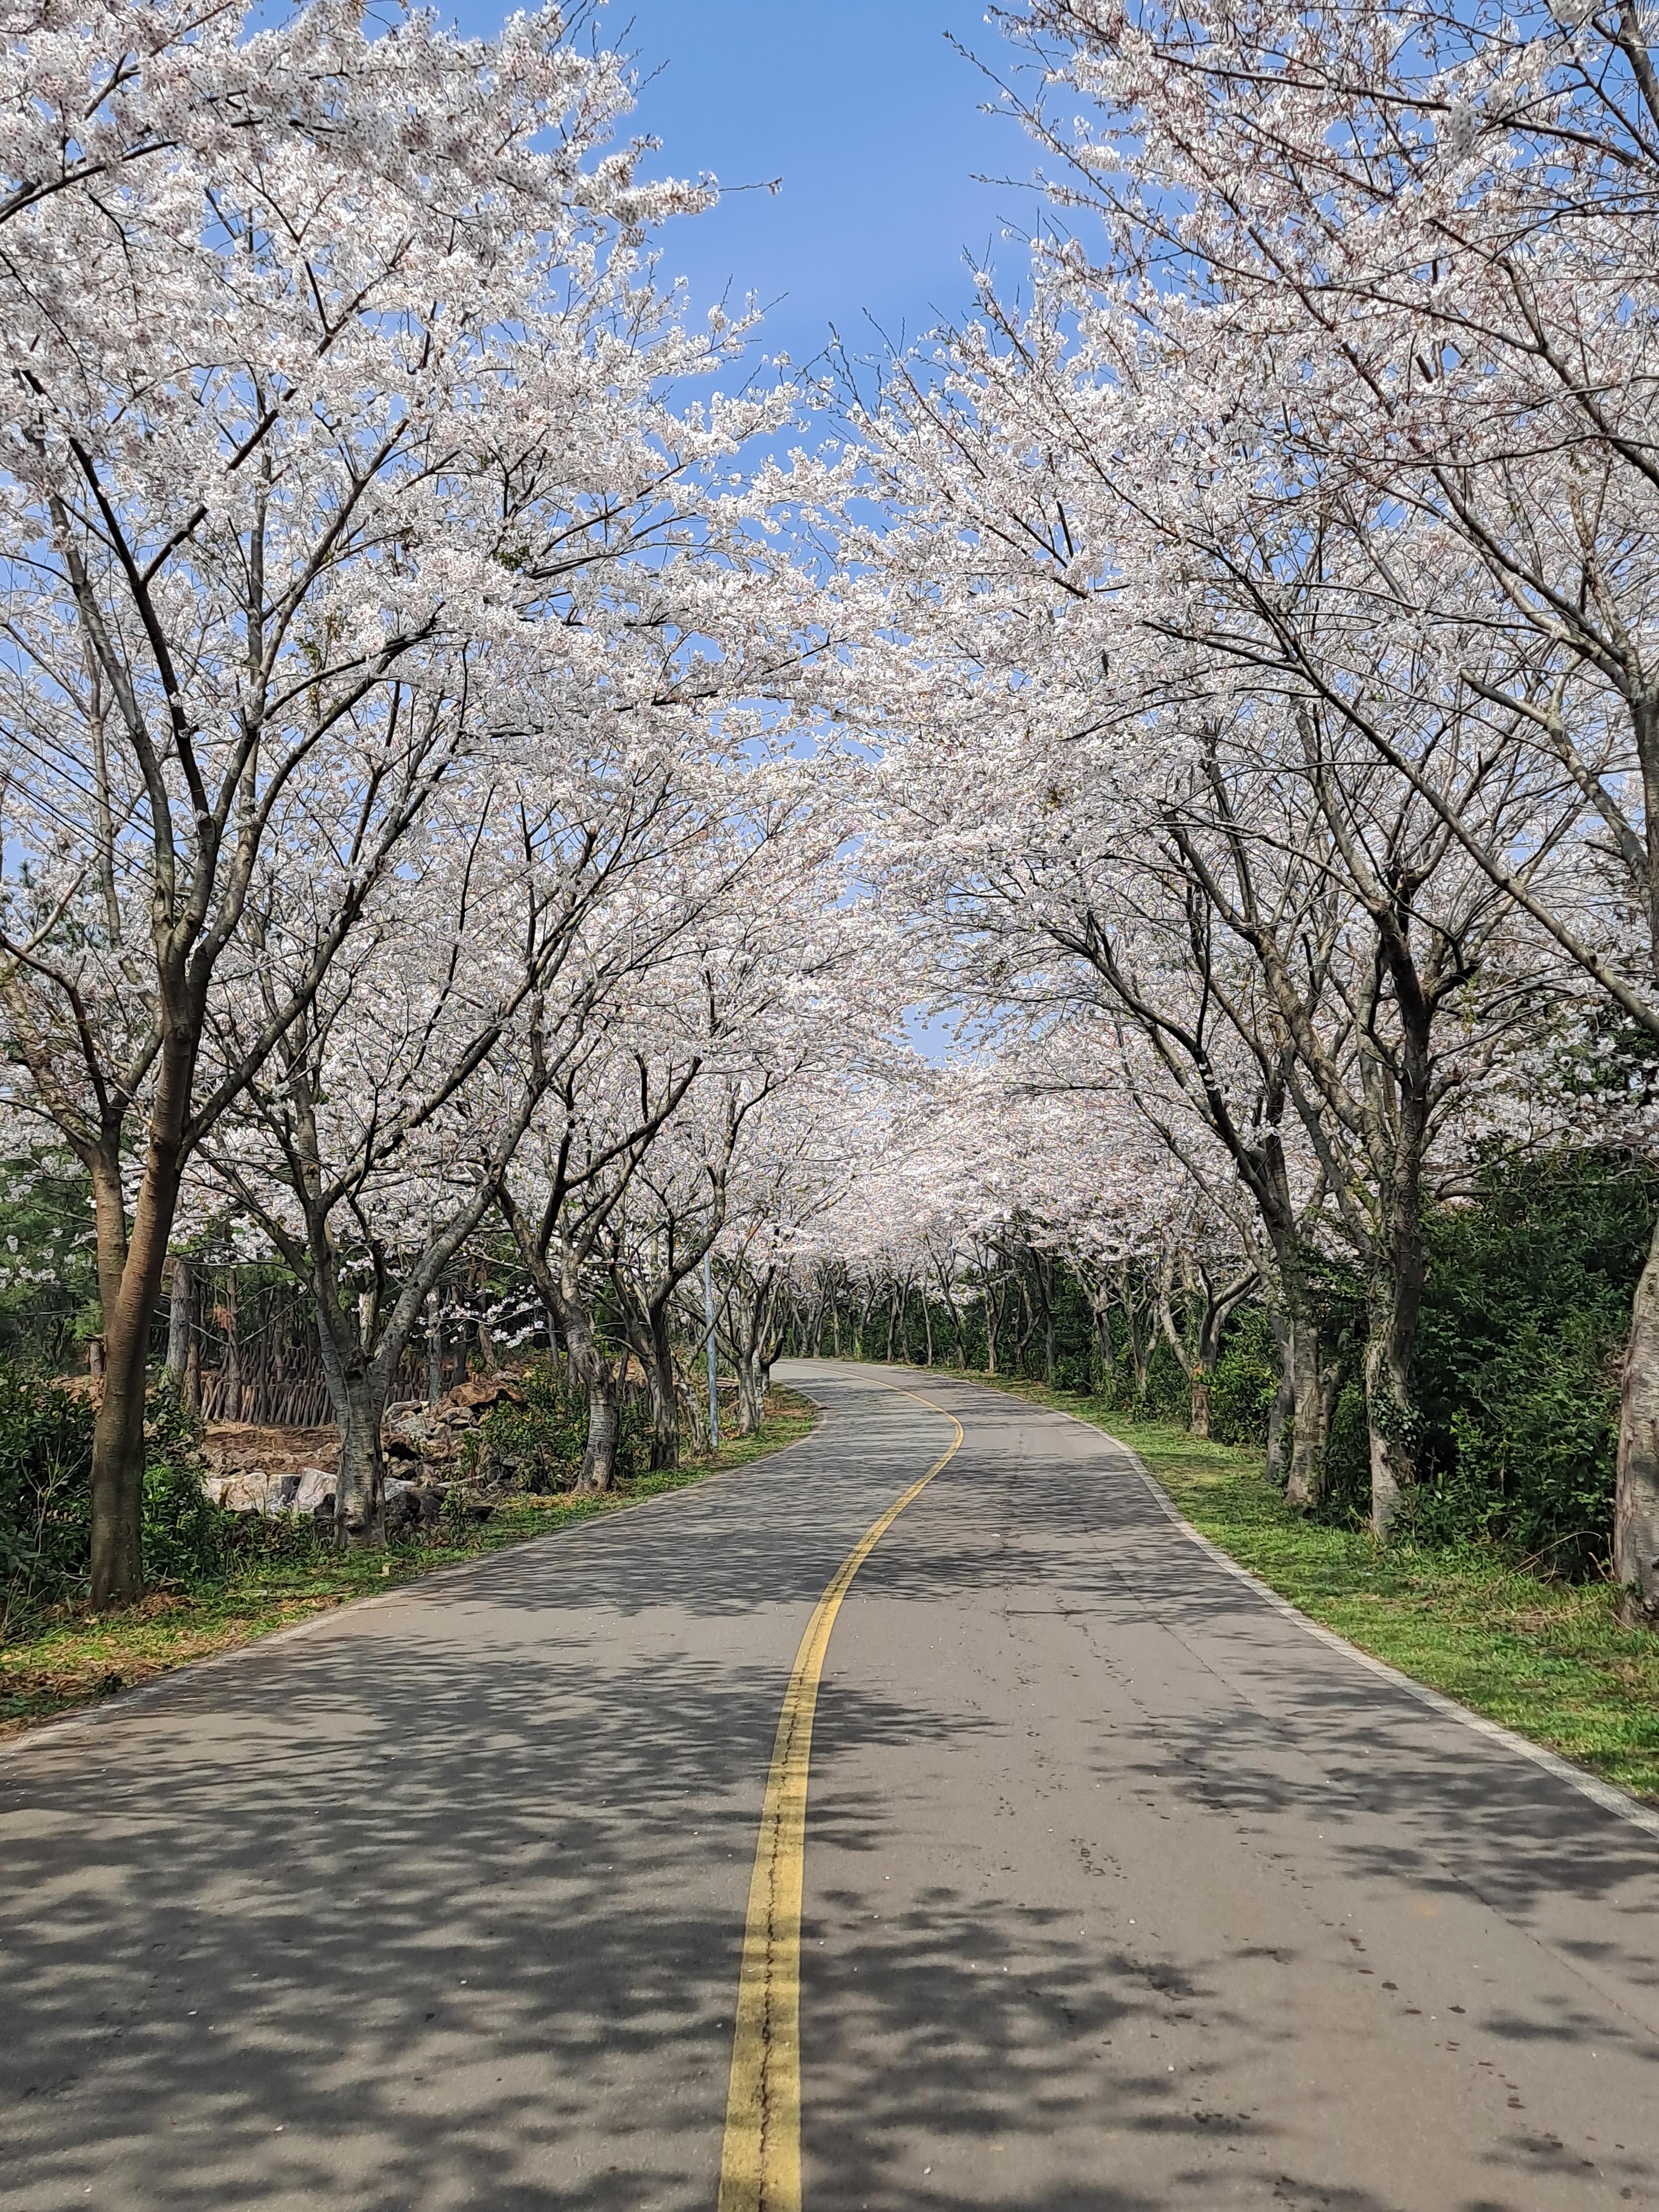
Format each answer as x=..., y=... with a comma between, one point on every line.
x=760, y=2165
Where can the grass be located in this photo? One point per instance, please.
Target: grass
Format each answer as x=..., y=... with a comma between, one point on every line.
x=71, y=1658
x=1547, y=1659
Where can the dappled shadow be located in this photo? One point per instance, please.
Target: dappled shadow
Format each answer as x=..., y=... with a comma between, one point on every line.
x=1297, y=1716
x=440, y=1902
x=1318, y=2006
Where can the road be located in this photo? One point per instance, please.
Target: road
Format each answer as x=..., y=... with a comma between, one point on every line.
x=1121, y=1890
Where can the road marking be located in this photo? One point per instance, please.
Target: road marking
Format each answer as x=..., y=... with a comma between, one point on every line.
x=760, y=2163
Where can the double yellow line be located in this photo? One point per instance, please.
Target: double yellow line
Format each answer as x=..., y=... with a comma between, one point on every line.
x=760, y=2165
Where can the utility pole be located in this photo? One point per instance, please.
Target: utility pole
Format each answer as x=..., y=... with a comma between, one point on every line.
x=713, y=1394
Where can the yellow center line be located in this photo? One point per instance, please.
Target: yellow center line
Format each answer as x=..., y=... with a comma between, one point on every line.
x=760, y=2164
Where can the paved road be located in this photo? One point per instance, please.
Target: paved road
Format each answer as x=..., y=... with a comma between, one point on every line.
x=1123, y=1891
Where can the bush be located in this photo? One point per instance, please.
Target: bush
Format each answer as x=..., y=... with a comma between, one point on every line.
x=186, y=1534
x=1346, y=1499
x=46, y=1494
x=1246, y=1380
x=45, y=1502
x=1517, y=1357
x=539, y=1444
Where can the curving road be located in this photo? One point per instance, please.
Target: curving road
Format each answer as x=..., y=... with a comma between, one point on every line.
x=1121, y=1890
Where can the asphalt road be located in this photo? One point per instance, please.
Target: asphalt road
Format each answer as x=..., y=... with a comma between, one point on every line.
x=1121, y=1890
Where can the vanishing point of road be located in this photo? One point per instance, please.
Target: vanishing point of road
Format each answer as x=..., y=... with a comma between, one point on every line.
x=1117, y=1887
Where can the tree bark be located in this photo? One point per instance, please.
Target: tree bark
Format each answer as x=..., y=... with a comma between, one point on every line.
x=598, y=1468
x=1636, y=1494
x=1198, y=1417
x=1281, y=1415
x=1304, y=1481
x=1390, y=1410
x=748, y=1417
x=663, y=1385
x=129, y=1283
x=360, y=1491
x=180, y=1319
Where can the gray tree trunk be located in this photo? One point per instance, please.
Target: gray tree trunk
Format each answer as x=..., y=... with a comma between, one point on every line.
x=435, y=1349
x=1304, y=1480
x=360, y=1492
x=598, y=1467
x=1636, y=1494
x=181, y=1316
x=1281, y=1417
x=749, y=1415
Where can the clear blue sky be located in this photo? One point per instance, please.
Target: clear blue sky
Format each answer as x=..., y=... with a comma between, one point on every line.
x=872, y=122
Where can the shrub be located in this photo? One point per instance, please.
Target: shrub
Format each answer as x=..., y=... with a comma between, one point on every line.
x=539, y=1444
x=185, y=1534
x=1517, y=1357
x=1346, y=1499
x=1246, y=1380
x=46, y=1504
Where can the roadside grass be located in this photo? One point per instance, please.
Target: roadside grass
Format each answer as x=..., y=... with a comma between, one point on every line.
x=69, y=1658
x=1547, y=1659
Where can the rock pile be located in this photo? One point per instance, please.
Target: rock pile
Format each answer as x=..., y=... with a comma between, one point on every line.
x=252, y=1470
x=433, y=1434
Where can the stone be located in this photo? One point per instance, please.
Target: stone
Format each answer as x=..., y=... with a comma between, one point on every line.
x=403, y=1509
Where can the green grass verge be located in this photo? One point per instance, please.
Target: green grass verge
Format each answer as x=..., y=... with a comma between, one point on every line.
x=72, y=1658
x=1547, y=1659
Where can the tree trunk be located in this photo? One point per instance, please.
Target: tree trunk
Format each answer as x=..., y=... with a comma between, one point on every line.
x=118, y=1471
x=1044, y=1266
x=435, y=1349
x=1388, y=1409
x=181, y=1319
x=1636, y=1494
x=663, y=1384
x=1281, y=1416
x=1105, y=1354
x=1390, y=1413
x=748, y=1397
x=360, y=1491
x=993, y=1324
x=230, y=1360
x=598, y=1468
x=1304, y=1483
x=1198, y=1419
x=129, y=1283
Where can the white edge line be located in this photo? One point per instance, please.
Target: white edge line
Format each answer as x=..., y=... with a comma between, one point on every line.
x=125, y=1702
x=1607, y=1794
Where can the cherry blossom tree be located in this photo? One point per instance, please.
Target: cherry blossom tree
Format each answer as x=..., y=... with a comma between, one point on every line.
x=331, y=359
x=1431, y=234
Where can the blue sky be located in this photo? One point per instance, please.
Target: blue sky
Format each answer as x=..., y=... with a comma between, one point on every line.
x=872, y=122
